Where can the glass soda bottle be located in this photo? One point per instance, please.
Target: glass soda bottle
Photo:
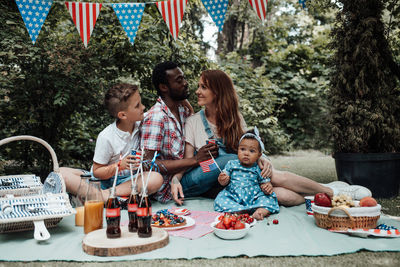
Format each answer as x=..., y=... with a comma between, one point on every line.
x=113, y=216
x=144, y=216
x=132, y=209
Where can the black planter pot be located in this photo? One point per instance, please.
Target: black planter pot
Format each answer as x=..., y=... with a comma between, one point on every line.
x=379, y=172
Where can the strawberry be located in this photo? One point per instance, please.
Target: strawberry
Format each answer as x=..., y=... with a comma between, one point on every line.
x=275, y=221
x=220, y=225
x=227, y=221
x=239, y=225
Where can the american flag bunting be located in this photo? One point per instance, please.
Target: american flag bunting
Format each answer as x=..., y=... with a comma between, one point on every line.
x=130, y=15
x=217, y=10
x=84, y=16
x=34, y=13
x=172, y=12
x=260, y=7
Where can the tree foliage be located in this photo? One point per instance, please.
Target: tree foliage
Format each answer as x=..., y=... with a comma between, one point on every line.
x=365, y=94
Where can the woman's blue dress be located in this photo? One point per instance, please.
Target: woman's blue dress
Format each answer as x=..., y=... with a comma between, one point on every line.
x=243, y=191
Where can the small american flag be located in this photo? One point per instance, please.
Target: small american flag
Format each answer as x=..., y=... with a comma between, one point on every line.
x=208, y=165
x=84, y=16
x=260, y=7
x=172, y=12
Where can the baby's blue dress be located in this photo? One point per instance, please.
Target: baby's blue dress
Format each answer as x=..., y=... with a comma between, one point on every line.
x=243, y=191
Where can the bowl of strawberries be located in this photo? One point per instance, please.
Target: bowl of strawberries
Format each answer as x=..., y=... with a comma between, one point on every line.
x=229, y=226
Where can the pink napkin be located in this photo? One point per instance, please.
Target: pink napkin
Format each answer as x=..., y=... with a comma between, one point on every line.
x=202, y=226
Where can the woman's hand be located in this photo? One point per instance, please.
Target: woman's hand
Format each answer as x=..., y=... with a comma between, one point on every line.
x=267, y=188
x=187, y=105
x=223, y=179
x=204, y=152
x=176, y=190
x=266, y=167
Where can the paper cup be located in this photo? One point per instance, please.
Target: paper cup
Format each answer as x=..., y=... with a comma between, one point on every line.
x=309, y=200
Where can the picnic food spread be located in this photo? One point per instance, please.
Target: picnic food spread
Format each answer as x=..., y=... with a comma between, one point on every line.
x=164, y=219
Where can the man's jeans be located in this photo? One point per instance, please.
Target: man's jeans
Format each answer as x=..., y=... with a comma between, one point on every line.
x=195, y=182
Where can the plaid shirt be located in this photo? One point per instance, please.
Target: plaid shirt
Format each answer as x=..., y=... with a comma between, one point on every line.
x=162, y=132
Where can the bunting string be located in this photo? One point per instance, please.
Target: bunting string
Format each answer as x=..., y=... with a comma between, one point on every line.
x=85, y=14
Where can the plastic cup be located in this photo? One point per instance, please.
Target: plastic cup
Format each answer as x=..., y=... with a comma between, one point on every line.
x=309, y=200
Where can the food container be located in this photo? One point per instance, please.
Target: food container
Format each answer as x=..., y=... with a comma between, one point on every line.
x=309, y=200
x=342, y=218
x=33, y=205
x=230, y=234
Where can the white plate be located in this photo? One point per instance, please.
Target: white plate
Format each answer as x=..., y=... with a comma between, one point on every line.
x=250, y=224
x=372, y=232
x=189, y=222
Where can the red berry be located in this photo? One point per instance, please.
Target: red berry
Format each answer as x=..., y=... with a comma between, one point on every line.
x=275, y=221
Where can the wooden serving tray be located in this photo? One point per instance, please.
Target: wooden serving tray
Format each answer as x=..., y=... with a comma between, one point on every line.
x=96, y=243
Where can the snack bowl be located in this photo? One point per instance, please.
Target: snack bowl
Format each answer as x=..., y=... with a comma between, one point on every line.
x=230, y=234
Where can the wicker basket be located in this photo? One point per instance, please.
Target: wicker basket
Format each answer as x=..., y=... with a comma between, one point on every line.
x=342, y=218
x=20, y=220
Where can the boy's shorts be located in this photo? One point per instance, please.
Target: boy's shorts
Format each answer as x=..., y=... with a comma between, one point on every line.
x=105, y=184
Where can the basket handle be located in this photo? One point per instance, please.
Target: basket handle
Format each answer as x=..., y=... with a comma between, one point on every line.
x=352, y=220
x=36, y=139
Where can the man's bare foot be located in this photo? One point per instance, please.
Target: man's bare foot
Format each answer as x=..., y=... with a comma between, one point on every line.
x=260, y=214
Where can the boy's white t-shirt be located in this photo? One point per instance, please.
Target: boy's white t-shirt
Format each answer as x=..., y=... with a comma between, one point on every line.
x=112, y=141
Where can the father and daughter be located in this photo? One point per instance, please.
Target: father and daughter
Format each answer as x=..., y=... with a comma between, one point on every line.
x=180, y=139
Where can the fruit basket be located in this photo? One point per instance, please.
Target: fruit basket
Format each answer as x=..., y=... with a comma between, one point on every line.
x=342, y=218
x=29, y=204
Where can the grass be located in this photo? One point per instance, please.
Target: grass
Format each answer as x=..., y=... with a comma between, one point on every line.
x=312, y=164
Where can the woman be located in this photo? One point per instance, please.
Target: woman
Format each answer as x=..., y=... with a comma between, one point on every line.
x=221, y=120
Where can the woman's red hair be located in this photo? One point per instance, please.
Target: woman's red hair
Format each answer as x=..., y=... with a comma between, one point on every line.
x=227, y=107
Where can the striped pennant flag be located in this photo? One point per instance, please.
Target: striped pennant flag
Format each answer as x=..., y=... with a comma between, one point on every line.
x=34, y=13
x=84, y=16
x=260, y=7
x=172, y=12
x=217, y=10
x=130, y=15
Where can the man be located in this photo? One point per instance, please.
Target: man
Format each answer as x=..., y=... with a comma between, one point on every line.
x=163, y=127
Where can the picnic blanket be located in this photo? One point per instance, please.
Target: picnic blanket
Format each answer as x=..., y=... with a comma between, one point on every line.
x=295, y=235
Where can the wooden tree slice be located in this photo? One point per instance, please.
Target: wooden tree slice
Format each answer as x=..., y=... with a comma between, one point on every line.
x=96, y=242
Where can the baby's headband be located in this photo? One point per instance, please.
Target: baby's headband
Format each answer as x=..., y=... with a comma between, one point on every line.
x=256, y=135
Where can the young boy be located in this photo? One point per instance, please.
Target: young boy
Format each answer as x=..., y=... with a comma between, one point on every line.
x=117, y=139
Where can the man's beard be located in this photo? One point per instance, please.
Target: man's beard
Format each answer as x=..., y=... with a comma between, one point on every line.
x=179, y=96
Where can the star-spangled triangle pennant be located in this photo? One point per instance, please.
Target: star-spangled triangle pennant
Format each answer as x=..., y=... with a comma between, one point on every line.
x=172, y=12
x=260, y=7
x=34, y=13
x=217, y=10
x=129, y=15
x=84, y=16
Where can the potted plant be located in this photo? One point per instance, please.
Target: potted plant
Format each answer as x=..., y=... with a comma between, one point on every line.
x=365, y=100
